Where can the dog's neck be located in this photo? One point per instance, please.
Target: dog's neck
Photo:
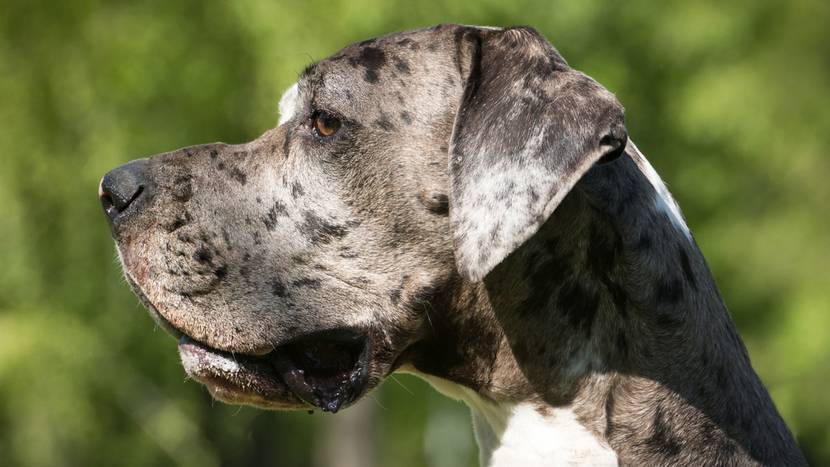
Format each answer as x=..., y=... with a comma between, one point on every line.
x=607, y=329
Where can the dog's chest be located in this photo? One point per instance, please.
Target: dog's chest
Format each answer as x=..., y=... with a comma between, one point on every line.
x=518, y=435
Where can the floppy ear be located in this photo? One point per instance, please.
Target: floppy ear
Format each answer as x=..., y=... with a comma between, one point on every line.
x=527, y=129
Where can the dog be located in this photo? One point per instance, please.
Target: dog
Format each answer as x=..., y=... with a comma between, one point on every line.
x=458, y=203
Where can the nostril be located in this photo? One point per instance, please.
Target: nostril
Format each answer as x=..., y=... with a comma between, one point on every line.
x=106, y=202
x=114, y=206
x=121, y=187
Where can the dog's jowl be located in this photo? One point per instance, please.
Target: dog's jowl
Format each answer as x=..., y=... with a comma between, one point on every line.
x=472, y=174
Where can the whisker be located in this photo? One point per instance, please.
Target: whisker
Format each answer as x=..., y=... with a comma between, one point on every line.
x=401, y=385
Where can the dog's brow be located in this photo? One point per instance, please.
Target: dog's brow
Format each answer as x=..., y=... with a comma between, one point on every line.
x=308, y=70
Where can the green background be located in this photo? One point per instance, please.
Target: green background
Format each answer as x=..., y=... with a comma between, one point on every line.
x=729, y=100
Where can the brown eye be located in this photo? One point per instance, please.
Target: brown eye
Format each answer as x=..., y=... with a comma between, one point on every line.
x=325, y=125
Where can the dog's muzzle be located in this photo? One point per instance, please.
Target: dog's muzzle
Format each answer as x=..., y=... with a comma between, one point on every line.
x=326, y=369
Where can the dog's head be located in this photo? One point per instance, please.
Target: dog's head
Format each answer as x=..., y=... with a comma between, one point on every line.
x=298, y=269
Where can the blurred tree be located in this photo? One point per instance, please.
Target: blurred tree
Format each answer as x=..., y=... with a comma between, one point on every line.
x=728, y=100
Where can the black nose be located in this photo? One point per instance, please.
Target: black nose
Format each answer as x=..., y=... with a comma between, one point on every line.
x=122, y=187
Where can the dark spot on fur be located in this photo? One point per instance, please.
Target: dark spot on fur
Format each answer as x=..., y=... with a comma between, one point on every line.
x=402, y=66
x=662, y=440
x=182, y=188
x=687, y=267
x=668, y=291
x=406, y=117
x=319, y=230
x=384, y=123
x=220, y=166
x=177, y=223
x=202, y=255
x=239, y=175
x=372, y=59
x=270, y=219
x=407, y=42
x=395, y=295
x=213, y=153
x=221, y=272
x=438, y=203
x=278, y=288
x=297, y=190
x=307, y=282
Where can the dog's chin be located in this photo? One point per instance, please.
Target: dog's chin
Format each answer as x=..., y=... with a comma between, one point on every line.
x=328, y=369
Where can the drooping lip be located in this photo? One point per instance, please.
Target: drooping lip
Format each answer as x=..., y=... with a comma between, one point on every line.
x=236, y=378
x=294, y=375
x=328, y=369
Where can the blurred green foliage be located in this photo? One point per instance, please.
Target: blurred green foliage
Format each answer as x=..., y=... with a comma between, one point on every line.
x=729, y=100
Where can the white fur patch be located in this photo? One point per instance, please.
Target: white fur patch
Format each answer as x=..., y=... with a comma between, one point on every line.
x=531, y=439
x=516, y=434
x=288, y=103
x=663, y=200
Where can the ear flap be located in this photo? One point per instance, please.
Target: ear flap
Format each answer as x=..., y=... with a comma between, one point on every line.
x=527, y=129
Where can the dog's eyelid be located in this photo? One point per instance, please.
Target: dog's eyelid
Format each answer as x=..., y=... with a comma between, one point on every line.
x=324, y=124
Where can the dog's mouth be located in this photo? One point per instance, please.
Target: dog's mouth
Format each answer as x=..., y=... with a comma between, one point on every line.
x=328, y=370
